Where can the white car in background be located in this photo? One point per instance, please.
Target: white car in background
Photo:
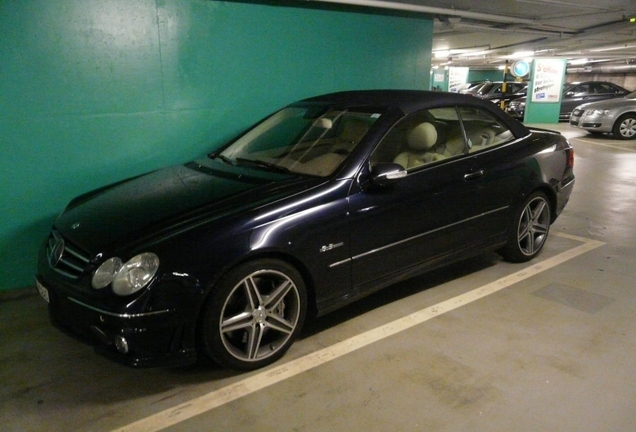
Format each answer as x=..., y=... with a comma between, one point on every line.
x=615, y=116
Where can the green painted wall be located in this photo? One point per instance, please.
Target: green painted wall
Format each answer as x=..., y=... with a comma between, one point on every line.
x=93, y=91
x=486, y=75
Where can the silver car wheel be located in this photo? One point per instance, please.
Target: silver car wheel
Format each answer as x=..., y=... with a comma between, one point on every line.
x=260, y=315
x=533, y=226
x=628, y=127
x=625, y=127
x=529, y=229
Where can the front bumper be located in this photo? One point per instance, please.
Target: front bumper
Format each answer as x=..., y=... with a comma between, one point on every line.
x=593, y=123
x=157, y=338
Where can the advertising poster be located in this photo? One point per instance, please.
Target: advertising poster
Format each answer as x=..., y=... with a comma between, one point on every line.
x=548, y=80
x=457, y=77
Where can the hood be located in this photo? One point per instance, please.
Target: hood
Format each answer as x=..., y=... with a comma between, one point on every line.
x=609, y=104
x=133, y=209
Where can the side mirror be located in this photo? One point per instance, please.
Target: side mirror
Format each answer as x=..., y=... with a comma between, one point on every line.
x=387, y=173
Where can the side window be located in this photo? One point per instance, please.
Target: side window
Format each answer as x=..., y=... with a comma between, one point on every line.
x=483, y=130
x=581, y=90
x=518, y=87
x=597, y=89
x=606, y=88
x=422, y=138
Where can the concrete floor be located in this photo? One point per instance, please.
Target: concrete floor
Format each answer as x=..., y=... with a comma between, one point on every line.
x=551, y=349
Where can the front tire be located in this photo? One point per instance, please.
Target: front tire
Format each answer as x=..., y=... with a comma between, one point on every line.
x=529, y=230
x=625, y=127
x=254, y=314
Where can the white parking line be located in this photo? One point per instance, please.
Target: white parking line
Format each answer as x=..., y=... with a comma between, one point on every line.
x=266, y=378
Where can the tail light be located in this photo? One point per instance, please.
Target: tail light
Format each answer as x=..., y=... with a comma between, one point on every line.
x=569, y=154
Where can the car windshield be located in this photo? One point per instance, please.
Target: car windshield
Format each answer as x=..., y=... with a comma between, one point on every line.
x=485, y=88
x=301, y=139
x=632, y=95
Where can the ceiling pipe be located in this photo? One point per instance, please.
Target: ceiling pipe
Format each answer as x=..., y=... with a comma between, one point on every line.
x=510, y=30
x=609, y=69
x=430, y=10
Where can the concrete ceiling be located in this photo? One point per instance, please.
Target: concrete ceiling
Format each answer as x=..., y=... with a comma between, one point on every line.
x=484, y=34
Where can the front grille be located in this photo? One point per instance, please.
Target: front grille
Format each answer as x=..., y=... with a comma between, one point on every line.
x=64, y=257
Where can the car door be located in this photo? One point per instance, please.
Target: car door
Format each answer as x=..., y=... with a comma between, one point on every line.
x=435, y=211
x=574, y=97
x=598, y=92
x=606, y=91
x=499, y=177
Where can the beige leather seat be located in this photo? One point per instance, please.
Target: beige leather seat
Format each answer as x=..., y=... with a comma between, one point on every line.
x=421, y=140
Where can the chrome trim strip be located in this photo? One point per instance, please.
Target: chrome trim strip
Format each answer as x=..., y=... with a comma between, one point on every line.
x=77, y=255
x=568, y=184
x=339, y=263
x=65, y=273
x=424, y=234
x=125, y=316
x=68, y=263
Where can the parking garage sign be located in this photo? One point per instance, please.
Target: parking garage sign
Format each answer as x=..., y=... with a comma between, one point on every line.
x=548, y=80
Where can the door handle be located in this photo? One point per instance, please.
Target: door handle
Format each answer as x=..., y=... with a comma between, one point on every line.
x=473, y=175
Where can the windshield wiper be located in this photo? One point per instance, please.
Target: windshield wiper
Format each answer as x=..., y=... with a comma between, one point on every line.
x=264, y=164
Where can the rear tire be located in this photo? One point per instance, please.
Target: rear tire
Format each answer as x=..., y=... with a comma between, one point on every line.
x=529, y=230
x=253, y=314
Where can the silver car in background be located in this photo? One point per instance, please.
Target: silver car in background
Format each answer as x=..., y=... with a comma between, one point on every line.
x=615, y=116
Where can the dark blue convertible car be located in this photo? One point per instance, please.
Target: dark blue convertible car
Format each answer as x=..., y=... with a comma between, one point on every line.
x=325, y=201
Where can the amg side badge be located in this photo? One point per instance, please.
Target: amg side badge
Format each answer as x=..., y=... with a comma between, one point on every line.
x=331, y=246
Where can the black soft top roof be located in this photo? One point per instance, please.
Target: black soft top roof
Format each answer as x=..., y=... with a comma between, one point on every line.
x=410, y=101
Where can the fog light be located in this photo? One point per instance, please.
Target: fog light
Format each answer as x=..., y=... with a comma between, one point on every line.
x=121, y=344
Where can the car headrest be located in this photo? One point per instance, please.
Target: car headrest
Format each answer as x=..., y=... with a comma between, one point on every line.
x=422, y=136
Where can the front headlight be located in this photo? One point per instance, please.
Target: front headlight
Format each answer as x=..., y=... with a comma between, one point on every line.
x=106, y=273
x=126, y=278
x=597, y=112
x=135, y=274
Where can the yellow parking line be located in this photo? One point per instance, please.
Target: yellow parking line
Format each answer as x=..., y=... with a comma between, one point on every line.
x=268, y=377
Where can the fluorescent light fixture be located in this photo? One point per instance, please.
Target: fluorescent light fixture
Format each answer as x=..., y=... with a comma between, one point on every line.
x=521, y=54
x=473, y=54
x=476, y=50
x=577, y=62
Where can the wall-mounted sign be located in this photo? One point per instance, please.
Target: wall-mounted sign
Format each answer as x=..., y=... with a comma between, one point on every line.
x=457, y=77
x=547, y=80
x=520, y=69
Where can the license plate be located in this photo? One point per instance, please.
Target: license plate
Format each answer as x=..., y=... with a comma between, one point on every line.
x=43, y=291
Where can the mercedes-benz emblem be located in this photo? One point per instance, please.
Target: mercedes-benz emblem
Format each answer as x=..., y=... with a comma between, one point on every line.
x=56, y=252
